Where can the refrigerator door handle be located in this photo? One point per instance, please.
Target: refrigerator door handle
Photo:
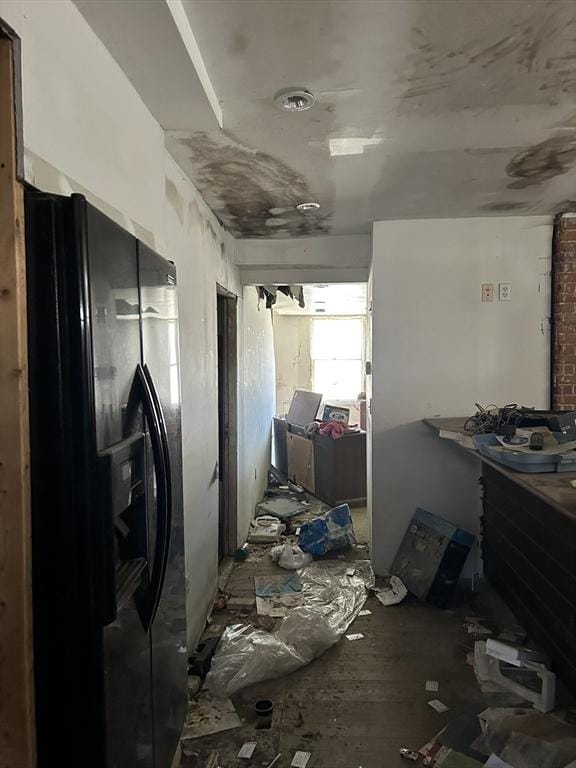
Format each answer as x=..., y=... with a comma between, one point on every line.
x=156, y=426
x=167, y=523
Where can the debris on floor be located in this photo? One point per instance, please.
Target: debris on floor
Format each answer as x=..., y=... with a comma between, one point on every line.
x=393, y=594
x=247, y=750
x=331, y=600
x=276, y=595
x=519, y=676
x=282, y=621
x=290, y=556
x=281, y=506
x=265, y=530
x=207, y=714
x=333, y=530
x=300, y=759
x=431, y=557
x=199, y=662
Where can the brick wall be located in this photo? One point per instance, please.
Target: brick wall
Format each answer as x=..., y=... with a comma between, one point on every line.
x=564, y=313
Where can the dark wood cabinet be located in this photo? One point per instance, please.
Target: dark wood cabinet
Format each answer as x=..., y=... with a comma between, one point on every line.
x=529, y=551
x=333, y=470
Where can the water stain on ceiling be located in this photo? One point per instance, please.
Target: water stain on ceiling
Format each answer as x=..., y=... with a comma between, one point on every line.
x=252, y=193
x=537, y=164
x=504, y=207
x=493, y=69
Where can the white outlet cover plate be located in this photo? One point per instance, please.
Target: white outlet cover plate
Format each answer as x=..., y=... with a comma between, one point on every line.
x=504, y=292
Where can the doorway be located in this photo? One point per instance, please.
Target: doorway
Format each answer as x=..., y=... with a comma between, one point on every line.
x=227, y=422
x=322, y=348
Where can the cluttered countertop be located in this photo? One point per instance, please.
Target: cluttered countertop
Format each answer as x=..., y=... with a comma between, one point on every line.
x=552, y=487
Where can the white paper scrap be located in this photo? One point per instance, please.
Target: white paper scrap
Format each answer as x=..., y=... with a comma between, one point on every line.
x=247, y=750
x=432, y=685
x=301, y=759
x=355, y=636
x=393, y=594
x=365, y=612
x=438, y=705
x=496, y=762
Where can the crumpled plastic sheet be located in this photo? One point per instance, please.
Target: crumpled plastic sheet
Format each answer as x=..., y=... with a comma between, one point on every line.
x=333, y=592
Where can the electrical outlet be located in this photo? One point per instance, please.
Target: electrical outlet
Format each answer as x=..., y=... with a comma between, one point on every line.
x=505, y=292
x=487, y=291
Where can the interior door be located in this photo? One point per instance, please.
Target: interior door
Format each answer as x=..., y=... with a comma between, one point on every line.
x=121, y=532
x=159, y=313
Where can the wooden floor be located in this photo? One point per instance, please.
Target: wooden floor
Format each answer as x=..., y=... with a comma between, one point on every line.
x=359, y=703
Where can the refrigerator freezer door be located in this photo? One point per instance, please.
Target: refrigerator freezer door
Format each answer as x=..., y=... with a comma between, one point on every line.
x=116, y=349
x=159, y=309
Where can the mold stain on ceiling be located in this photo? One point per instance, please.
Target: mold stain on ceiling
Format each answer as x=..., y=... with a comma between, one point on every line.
x=492, y=70
x=252, y=193
x=537, y=164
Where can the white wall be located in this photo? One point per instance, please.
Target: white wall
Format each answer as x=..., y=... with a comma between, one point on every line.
x=87, y=130
x=332, y=259
x=293, y=361
x=437, y=350
x=257, y=404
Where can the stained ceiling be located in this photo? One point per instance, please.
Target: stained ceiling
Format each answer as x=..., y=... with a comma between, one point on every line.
x=425, y=108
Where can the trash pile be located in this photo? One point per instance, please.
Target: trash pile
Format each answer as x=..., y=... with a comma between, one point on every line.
x=294, y=615
x=332, y=594
x=501, y=738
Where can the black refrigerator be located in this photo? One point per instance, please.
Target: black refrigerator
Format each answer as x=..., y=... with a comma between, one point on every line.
x=106, y=475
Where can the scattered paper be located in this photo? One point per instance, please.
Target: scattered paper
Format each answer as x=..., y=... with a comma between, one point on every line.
x=393, y=594
x=478, y=629
x=495, y=762
x=355, y=636
x=276, y=595
x=247, y=750
x=208, y=715
x=438, y=705
x=365, y=612
x=301, y=759
x=432, y=685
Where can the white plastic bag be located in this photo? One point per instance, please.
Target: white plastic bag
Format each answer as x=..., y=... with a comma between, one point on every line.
x=290, y=556
x=334, y=593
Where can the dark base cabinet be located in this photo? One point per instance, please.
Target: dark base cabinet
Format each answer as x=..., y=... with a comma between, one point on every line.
x=333, y=470
x=529, y=550
x=340, y=469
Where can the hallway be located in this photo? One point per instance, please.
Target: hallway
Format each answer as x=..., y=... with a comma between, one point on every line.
x=362, y=701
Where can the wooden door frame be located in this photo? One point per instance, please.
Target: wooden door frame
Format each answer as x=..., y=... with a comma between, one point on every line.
x=17, y=730
x=229, y=470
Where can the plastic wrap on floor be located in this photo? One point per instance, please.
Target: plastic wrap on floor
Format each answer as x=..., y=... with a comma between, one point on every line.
x=333, y=593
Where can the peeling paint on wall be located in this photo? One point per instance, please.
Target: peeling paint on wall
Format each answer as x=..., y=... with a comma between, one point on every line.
x=252, y=193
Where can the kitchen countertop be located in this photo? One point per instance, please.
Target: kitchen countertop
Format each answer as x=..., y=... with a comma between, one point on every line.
x=552, y=487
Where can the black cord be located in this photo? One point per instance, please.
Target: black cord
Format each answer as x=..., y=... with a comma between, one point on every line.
x=491, y=418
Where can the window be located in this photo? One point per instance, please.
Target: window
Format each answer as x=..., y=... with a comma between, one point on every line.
x=336, y=351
